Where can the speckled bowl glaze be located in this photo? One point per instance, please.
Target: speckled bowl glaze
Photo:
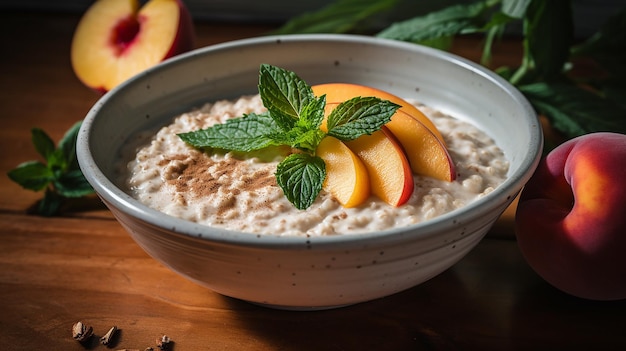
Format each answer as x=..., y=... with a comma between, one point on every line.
x=317, y=272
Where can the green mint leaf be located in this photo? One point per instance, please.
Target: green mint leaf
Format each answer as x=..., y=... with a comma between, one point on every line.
x=575, y=111
x=444, y=23
x=247, y=133
x=302, y=138
x=72, y=184
x=301, y=177
x=306, y=134
x=50, y=204
x=313, y=114
x=284, y=94
x=42, y=142
x=57, y=162
x=67, y=145
x=515, y=8
x=338, y=17
x=359, y=116
x=32, y=175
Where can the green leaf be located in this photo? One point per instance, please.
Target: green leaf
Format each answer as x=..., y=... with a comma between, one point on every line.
x=248, y=133
x=359, y=116
x=575, y=111
x=515, y=8
x=313, y=113
x=42, y=142
x=447, y=22
x=50, y=204
x=31, y=175
x=284, y=94
x=337, y=17
x=73, y=184
x=301, y=177
x=548, y=33
x=57, y=162
x=305, y=139
x=67, y=145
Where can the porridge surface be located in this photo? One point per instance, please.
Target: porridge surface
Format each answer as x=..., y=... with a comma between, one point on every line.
x=240, y=193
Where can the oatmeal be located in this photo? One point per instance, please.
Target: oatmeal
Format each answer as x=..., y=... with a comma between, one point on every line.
x=239, y=192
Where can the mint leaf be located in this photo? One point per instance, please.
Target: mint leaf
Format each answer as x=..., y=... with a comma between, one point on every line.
x=313, y=113
x=72, y=184
x=60, y=176
x=42, y=142
x=67, y=145
x=301, y=177
x=359, y=116
x=50, y=204
x=575, y=111
x=515, y=8
x=31, y=175
x=303, y=138
x=284, y=94
x=247, y=133
x=337, y=17
x=438, y=24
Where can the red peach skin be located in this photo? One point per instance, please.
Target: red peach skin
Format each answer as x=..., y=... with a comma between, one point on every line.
x=571, y=217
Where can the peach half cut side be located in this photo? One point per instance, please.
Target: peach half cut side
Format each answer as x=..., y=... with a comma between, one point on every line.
x=115, y=40
x=347, y=179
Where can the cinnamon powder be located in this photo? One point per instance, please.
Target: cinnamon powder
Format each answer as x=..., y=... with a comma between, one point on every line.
x=203, y=177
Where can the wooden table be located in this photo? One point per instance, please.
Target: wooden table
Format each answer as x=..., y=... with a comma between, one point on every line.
x=82, y=266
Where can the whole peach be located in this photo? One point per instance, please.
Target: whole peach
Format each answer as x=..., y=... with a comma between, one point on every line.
x=571, y=217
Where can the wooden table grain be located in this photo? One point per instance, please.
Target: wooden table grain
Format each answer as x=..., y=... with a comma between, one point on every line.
x=82, y=266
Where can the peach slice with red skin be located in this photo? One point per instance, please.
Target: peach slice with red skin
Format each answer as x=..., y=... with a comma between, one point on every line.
x=421, y=140
x=347, y=179
x=338, y=92
x=116, y=39
x=389, y=171
x=427, y=155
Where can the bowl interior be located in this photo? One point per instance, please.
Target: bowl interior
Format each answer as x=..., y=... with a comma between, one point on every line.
x=438, y=79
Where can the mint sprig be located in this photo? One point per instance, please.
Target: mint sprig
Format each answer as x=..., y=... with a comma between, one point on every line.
x=59, y=177
x=293, y=118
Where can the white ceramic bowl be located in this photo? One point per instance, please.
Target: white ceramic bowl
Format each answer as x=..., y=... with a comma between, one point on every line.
x=316, y=272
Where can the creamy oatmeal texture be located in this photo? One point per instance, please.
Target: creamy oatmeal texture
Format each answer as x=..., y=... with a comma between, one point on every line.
x=240, y=193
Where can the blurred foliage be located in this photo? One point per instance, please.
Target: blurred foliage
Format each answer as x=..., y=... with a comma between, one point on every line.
x=578, y=86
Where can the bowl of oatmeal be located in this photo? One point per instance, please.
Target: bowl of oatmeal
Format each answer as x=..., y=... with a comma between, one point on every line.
x=219, y=218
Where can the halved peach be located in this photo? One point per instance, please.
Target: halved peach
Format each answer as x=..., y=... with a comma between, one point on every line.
x=390, y=175
x=347, y=179
x=115, y=40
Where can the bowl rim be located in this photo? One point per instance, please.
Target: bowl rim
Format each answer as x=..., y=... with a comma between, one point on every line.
x=113, y=195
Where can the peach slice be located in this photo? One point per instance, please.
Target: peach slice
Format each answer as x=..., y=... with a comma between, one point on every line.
x=420, y=138
x=115, y=40
x=338, y=92
x=347, y=178
x=427, y=155
x=390, y=175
